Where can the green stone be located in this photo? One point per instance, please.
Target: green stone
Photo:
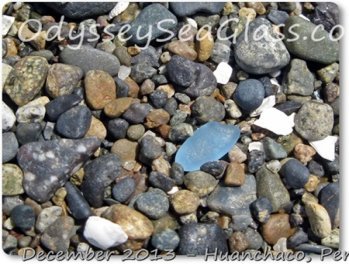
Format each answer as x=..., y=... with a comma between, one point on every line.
x=12, y=178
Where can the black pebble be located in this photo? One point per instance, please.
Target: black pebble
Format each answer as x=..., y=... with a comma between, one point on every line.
x=60, y=105
x=117, y=128
x=161, y=181
x=77, y=204
x=28, y=132
x=23, y=217
x=295, y=174
x=123, y=189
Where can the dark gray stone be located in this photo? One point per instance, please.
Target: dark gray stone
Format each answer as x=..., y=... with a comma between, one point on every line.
x=77, y=204
x=249, y=94
x=23, y=217
x=255, y=160
x=47, y=165
x=9, y=146
x=254, y=239
x=297, y=238
x=171, y=106
x=158, y=98
x=187, y=9
x=10, y=202
x=198, y=239
x=316, y=168
x=75, y=122
x=149, y=148
x=261, y=209
x=299, y=81
x=207, y=109
x=278, y=17
x=153, y=204
x=167, y=239
x=257, y=54
x=273, y=150
x=117, y=128
x=99, y=174
x=289, y=107
x=161, y=181
x=28, y=132
x=60, y=105
x=122, y=88
x=142, y=71
x=88, y=58
x=181, y=71
x=215, y=168
x=150, y=55
x=295, y=174
x=136, y=113
x=177, y=173
x=123, y=189
x=327, y=14
x=329, y=198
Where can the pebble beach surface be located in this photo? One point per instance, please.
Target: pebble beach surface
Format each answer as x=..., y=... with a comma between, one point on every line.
x=176, y=138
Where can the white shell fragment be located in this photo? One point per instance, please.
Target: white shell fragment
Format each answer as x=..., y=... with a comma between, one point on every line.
x=124, y=72
x=118, y=9
x=268, y=102
x=7, y=22
x=276, y=121
x=223, y=73
x=191, y=22
x=255, y=146
x=325, y=147
x=103, y=233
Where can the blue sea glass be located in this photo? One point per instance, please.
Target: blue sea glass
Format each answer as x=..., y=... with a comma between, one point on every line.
x=210, y=142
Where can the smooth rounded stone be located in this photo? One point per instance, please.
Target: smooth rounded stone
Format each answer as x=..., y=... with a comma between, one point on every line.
x=62, y=79
x=117, y=128
x=87, y=58
x=215, y=168
x=60, y=105
x=167, y=239
x=125, y=149
x=322, y=49
x=157, y=118
x=316, y=168
x=289, y=107
x=96, y=129
x=200, y=182
x=10, y=202
x=319, y=219
x=100, y=88
x=254, y=239
x=300, y=81
x=158, y=98
x=238, y=242
x=12, y=178
x=81, y=10
x=148, y=54
x=161, y=181
x=77, y=204
x=47, y=165
x=149, y=148
x=327, y=14
x=147, y=87
x=145, y=22
x=47, y=217
x=123, y=56
x=297, y=238
x=273, y=150
x=182, y=98
x=8, y=117
x=75, y=122
x=278, y=17
x=116, y=107
x=103, y=233
x=188, y=9
x=28, y=132
x=328, y=73
x=23, y=217
x=269, y=185
x=207, y=109
x=255, y=160
x=136, y=225
x=181, y=71
x=260, y=55
x=211, y=148
x=99, y=173
x=30, y=113
x=261, y=209
x=249, y=95
x=124, y=72
x=332, y=240
x=9, y=146
x=142, y=71
x=182, y=49
x=220, y=53
x=329, y=198
x=123, y=189
x=153, y=204
x=27, y=79
x=136, y=113
x=204, y=45
x=278, y=226
x=135, y=132
x=314, y=121
x=10, y=243
x=56, y=237
x=177, y=173
x=199, y=239
x=178, y=118
x=179, y=133
x=170, y=149
x=295, y=174
x=185, y=202
x=47, y=54
x=24, y=241
x=6, y=70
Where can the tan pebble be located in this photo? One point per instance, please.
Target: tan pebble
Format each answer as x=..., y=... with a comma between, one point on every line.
x=248, y=13
x=168, y=88
x=258, y=7
x=234, y=175
x=223, y=221
x=332, y=240
x=133, y=87
x=164, y=130
x=319, y=219
x=312, y=183
x=309, y=198
x=97, y=129
x=11, y=47
x=237, y=155
x=278, y=226
x=156, y=118
x=238, y=242
x=78, y=177
x=185, y=202
x=161, y=165
x=117, y=107
x=182, y=49
x=133, y=50
x=204, y=45
x=304, y=153
x=125, y=149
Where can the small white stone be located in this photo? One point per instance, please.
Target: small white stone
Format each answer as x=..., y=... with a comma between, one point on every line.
x=118, y=9
x=325, y=147
x=255, y=146
x=191, y=22
x=173, y=190
x=103, y=233
x=124, y=72
x=275, y=74
x=7, y=22
x=268, y=102
x=232, y=109
x=8, y=117
x=223, y=73
x=276, y=121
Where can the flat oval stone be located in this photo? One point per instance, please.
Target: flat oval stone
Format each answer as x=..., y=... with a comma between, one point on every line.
x=208, y=143
x=78, y=206
x=60, y=105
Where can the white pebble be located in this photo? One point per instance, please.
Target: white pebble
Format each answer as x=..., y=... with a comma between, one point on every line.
x=255, y=146
x=8, y=117
x=124, y=72
x=267, y=103
x=276, y=121
x=191, y=22
x=118, y=9
x=7, y=22
x=173, y=190
x=103, y=233
x=325, y=147
x=223, y=73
